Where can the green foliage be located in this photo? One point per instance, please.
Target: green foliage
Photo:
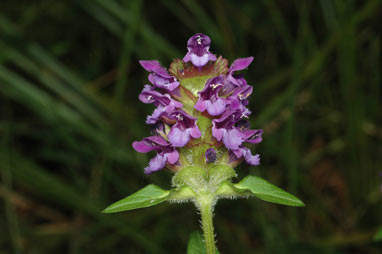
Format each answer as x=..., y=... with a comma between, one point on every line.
x=378, y=235
x=145, y=197
x=196, y=244
x=267, y=191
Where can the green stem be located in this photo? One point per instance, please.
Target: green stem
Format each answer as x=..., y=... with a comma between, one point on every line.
x=206, y=207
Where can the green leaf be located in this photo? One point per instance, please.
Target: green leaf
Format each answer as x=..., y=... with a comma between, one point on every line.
x=378, y=235
x=196, y=244
x=148, y=196
x=267, y=191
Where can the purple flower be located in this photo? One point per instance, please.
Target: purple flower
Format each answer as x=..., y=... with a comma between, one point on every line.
x=249, y=136
x=238, y=65
x=253, y=160
x=183, y=130
x=239, y=96
x=163, y=102
x=226, y=122
x=232, y=81
x=159, y=76
x=165, y=152
x=198, y=50
x=232, y=129
x=209, y=98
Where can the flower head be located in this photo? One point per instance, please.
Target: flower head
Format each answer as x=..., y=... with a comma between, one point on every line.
x=201, y=106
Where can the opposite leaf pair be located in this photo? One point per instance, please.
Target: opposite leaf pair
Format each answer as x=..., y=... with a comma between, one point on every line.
x=251, y=185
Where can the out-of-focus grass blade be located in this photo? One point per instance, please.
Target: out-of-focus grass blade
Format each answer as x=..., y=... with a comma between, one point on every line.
x=54, y=84
x=39, y=181
x=106, y=19
x=8, y=28
x=31, y=96
x=42, y=103
x=280, y=24
x=204, y=20
x=129, y=40
x=311, y=67
x=51, y=111
x=7, y=182
x=329, y=12
x=147, y=33
x=179, y=11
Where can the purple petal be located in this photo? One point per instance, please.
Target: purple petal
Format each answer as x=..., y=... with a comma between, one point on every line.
x=143, y=146
x=154, y=117
x=234, y=103
x=187, y=57
x=233, y=139
x=179, y=138
x=242, y=92
x=238, y=152
x=163, y=80
x=155, y=67
x=218, y=133
x=199, y=61
x=195, y=132
x=211, y=56
x=215, y=108
x=148, y=94
x=198, y=39
x=150, y=65
x=251, y=159
x=200, y=105
x=172, y=86
x=157, y=140
x=172, y=106
x=240, y=64
x=156, y=163
x=253, y=136
x=173, y=157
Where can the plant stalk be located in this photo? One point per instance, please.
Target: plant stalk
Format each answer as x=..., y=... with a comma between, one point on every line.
x=206, y=207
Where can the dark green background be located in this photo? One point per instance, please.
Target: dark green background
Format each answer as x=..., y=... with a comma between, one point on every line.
x=69, y=111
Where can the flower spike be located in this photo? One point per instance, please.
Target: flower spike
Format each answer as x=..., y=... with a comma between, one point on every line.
x=200, y=132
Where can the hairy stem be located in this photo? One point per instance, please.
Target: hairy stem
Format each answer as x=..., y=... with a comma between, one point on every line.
x=206, y=207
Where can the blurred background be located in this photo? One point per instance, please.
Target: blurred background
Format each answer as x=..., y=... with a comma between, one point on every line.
x=69, y=111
